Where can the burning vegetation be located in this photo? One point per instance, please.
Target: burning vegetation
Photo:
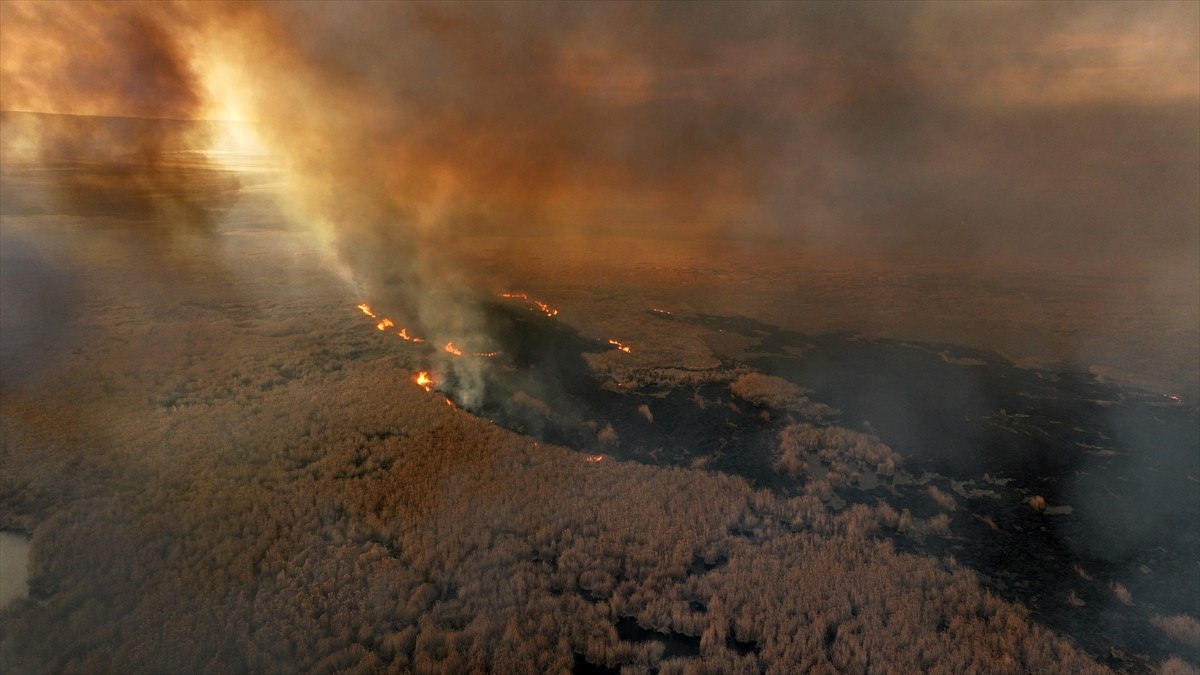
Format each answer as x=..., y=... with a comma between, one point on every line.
x=534, y=305
x=424, y=381
x=620, y=345
x=386, y=323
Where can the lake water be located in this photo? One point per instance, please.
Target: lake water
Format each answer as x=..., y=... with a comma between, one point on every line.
x=14, y=567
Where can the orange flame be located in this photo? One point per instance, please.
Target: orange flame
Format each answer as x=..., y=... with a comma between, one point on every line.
x=620, y=345
x=541, y=306
x=385, y=323
x=594, y=458
x=404, y=335
x=424, y=381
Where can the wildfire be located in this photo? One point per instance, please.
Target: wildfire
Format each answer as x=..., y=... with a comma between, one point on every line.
x=592, y=459
x=620, y=345
x=451, y=348
x=660, y=311
x=385, y=323
x=424, y=381
x=541, y=306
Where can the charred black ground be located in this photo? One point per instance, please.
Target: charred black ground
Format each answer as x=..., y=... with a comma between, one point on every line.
x=1126, y=462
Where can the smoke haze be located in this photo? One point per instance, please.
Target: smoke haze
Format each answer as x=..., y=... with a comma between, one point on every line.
x=1059, y=133
x=195, y=194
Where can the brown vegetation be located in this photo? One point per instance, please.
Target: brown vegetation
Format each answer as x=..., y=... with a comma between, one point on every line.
x=836, y=446
x=1182, y=627
x=776, y=392
x=943, y=499
x=250, y=483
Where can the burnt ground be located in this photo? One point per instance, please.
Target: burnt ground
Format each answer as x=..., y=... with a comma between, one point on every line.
x=1126, y=462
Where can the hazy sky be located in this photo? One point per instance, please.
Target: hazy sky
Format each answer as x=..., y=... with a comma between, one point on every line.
x=1062, y=132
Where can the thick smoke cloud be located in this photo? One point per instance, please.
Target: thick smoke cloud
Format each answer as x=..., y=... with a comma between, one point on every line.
x=998, y=129
x=106, y=98
x=986, y=129
x=1058, y=132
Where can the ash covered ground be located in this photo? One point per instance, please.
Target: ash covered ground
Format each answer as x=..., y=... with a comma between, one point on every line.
x=1056, y=488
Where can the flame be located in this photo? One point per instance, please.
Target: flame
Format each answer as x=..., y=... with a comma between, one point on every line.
x=620, y=345
x=660, y=311
x=424, y=381
x=451, y=404
x=541, y=306
x=385, y=323
x=404, y=335
x=594, y=458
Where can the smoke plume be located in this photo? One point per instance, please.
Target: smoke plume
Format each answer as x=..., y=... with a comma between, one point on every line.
x=1057, y=132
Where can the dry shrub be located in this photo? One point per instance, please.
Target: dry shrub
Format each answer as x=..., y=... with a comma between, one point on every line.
x=1121, y=592
x=1177, y=666
x=768, y=390
x=943, y=500
x=838, y=446
x=1182, y=627
x=940, y=524
x=607, y=435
